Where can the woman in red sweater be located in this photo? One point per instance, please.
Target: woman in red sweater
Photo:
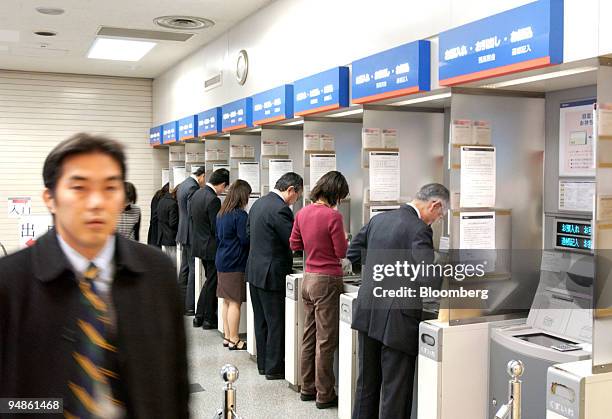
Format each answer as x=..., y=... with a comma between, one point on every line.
x=319, y=231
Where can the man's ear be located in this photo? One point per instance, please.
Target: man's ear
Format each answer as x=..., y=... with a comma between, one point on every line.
x=49, y=200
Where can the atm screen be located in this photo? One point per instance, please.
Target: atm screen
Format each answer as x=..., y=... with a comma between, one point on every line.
x=571, y=242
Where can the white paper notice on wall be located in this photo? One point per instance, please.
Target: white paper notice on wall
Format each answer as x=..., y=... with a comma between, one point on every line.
x=268, y=148
x=384, y=176
x=379, y=209
x=252, y=199
x=19, y=206
x=312, y=142
x=222, y=154
x=212, y=154
x=179, y=174
x=576, y=149
x=389, y=137
x=461, y=131
x=370, y=138
x=33, y=226
x=481, y=133
x=604, y=208
x=477, y=230
x=165, y=176
x=320, y=164
x=278, y=167
x=478, y=174
x=576, y=196
x=282, y=148
x=218, y=166
x=604, y=119
x=327, y=142
x=249, y=172
x=236, y=151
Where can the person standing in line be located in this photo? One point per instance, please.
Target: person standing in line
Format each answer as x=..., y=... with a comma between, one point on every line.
x=76, y=308
x=270, y=261
x=153, y=234
x=389, y=327
x=129, y=221
x=184, y=192
x=231, y=259
x=168, y=220
x=319, y=231
x=203, y=209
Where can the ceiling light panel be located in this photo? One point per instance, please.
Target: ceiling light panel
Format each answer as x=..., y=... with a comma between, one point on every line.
x=540, y=77
x=119, y=49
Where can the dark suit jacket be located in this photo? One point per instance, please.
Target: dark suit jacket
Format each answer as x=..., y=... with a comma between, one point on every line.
x=203, y=209
x=270, y=258
x=391, y=321
x=153, y=236
x=184, y=192
x=168, y=220
x=39, y=302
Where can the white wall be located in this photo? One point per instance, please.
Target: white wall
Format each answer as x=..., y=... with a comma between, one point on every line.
x=291, y=39
x=38, y=110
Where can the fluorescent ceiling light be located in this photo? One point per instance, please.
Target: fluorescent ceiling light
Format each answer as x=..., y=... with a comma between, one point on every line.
x=347, y=113
x=422, y=99
x=254, y=130
x=540, y=77
x=119, y=49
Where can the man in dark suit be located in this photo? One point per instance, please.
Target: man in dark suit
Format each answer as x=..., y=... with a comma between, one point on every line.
x=388, y=327
x=204, y=206
x=88, y=316
x=270, y=261
x=184, y=192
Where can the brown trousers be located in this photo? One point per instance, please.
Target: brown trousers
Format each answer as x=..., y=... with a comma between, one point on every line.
x=321, y=297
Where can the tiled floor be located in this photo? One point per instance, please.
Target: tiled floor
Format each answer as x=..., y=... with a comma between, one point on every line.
x=257, y=398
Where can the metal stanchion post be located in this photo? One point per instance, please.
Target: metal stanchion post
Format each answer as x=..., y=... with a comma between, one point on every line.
x=512, y=409
x=229, y=373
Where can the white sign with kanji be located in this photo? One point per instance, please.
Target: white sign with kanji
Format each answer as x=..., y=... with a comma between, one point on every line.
x=19, y=206
x=33, y=226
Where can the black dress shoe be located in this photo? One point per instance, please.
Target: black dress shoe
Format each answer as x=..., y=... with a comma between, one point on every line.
x=189, y=313
x=197, y=322
x=261, y=372
x=208, y=325
x=307, y=397
x=327, y=405
x=279, y=376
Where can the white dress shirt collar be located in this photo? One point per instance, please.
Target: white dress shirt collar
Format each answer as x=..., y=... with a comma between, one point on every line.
x=103, y=260
x=212, y=187
x=415, y=208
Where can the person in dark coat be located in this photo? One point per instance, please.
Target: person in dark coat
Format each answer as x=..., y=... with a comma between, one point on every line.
x=76, y=308
x=388, y=327
x=153, y=234
x=270, y=261
x=203, y=208
x=184, y=192
x=168, y=220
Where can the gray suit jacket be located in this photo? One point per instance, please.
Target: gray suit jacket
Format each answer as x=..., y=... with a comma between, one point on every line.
x=184, y=193
x=397, y=233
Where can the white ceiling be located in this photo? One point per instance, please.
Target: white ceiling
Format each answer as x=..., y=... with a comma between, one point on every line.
x=76, y=29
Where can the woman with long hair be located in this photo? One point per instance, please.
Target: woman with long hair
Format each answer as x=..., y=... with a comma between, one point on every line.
x=231, y=259
x=167, y=223
x=153, y=236
x=319, y=231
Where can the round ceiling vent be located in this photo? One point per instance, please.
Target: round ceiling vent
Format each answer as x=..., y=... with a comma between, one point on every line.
x=45, y=33
x=183, y=22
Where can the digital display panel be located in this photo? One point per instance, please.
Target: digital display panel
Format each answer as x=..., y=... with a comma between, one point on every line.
x=570, y=242
x=579, y=229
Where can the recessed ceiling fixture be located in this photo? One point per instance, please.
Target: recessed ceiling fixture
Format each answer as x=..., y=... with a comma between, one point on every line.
x=183, y=22
x=45, y=33
x=119, y=49
x=52, y=11
x=540, y=77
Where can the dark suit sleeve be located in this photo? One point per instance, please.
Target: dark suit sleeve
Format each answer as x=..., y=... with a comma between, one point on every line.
x=423, y=251
x=213, y=210
x=358, y=245
x=173, y=217
x=284, y=224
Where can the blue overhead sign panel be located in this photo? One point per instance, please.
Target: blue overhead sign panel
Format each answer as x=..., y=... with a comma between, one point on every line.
x=209, y=122
x=399, y=71
x=525, y=38
x=273, y=105
x=188, y=128
x=170, y=132
x=322, y=92
x=155, y=135
x=237, y=115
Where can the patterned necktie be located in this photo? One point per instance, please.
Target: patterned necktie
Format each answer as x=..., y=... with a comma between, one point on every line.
x=93, y=353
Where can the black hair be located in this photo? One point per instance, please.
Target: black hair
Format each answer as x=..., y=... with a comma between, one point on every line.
x=237, y=197
x=163, y=191
x=332, y=187
x=81, y=143
x=290, y=179
x=219, y=176
x=200, y=171
x=130, y=193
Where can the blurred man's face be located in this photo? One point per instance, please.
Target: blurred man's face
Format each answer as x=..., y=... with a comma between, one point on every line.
x=87, y=201
x=292, y=195
x=435, y=210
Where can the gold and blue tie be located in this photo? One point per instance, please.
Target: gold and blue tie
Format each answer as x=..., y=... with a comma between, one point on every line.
x=94, y=356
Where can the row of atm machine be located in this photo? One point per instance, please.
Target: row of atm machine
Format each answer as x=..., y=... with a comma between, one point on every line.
x=462, y=363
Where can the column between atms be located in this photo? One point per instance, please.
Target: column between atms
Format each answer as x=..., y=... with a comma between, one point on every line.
x=582, y=388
